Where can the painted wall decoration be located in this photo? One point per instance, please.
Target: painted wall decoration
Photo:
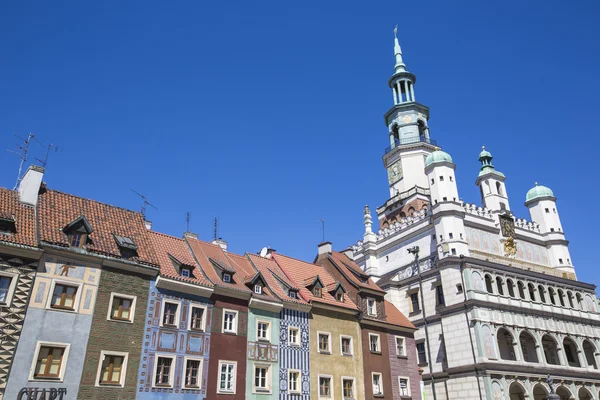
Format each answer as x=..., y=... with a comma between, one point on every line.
x=487, y=339
x=294, y=357
x=497, y=391
x=490, y=243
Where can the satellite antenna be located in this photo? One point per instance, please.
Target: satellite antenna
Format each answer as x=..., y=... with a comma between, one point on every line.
x=22, y=151
x=146, y=203
x=323, y=223
x=263, y=252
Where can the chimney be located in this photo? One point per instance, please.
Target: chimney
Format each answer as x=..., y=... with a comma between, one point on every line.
x=148, y=224
x=29, y=187
x=190, y=235
x=324, y=248
x=221, y=243
x=349, y=253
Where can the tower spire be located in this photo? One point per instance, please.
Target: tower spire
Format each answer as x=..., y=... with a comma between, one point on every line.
x=400, y=66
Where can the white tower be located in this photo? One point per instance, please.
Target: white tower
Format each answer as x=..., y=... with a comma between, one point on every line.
x=491, y=184
x=448, y=215
x=541, y=203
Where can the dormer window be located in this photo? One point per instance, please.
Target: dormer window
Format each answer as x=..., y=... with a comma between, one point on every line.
x=7, y=225
x=185, y=272
x=292, y=294
x=317, y=291
x=77, y=239
x=78, y=232
x=371, y=307
x=127, y=246
x=339, y=295
x=257, y=289
x=226, y=277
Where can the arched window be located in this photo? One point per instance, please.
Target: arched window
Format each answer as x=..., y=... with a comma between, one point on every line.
x=561, y=297
x=539, y=392
x=528, y=347
x=550, y=350
x=402, y=215
x=541, y=291
x=511, y=287
x=570, y=349
x=584, y=394
x=579, y=301
x=499, y=188
x=396, y=135
x=499, y=286
x=506, y=344
x=488, y=284
x=589, y=349
x=521, y=290
x=422, y=129
x=531, y=291
x=411, y=211
x=570, y=297
x=564, y=393
x=551, y=295
x=516, y=391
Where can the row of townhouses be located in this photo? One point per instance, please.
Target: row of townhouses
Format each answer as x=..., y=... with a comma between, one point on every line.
x=96, y=305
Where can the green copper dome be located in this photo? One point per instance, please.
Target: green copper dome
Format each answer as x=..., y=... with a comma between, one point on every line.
x=485, y=154
x=437, y=156
x=537, y=192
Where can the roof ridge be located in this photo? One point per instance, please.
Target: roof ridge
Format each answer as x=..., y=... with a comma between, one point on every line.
x=165, y=235
x=95, y=201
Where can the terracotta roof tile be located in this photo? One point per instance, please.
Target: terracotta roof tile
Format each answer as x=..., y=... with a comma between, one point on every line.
x=23, y=215
x=56, y=210
x=349, y=268
x=166, y=247
x=244, y=266
x=395, y=317
x=275, y=277
x=300, y=271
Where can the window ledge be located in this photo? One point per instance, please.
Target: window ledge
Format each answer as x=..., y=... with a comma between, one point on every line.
x=402, y=357
x=347, y=354
x=264, y=340
x=294, y=345
x=109, y=385
x=325, y=352
x=376, y=352
x=413, y=313
x=123, y=321
x=380, y=395
x=423, y=365
x=66, y=310
x=232, y=334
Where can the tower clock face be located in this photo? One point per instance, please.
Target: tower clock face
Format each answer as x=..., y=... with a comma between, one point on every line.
x=406, y=119
x=507, y=226
x=395, y=173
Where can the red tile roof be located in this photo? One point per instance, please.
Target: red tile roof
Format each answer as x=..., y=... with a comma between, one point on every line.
x=395, y=317
x=23, y=215
x=166, y=247
x=349, y=268
x=300, y=271
x=274, y=275
x=244, y=266
x=57, y=209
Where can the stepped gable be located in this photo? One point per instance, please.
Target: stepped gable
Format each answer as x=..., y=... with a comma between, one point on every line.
x=168, y=248
x=353, y=273
x=300, y=271
x=23, y=217
x=243, y=265
x=279, y=283
x=57, y=210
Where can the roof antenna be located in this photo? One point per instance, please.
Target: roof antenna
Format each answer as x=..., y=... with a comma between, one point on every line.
x=215, y=229
x=51, y=146
x=323, y=223
x=22, y=153
x=187, y=221
x=146, y=203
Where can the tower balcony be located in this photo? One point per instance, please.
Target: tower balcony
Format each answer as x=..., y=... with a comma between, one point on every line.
x=410, y=140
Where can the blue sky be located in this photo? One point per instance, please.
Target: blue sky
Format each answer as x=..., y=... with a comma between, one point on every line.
x=269, y=114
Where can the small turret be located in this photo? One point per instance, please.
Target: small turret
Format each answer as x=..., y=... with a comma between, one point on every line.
x=491, y=184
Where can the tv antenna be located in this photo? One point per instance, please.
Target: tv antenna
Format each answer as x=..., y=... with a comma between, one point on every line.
x=22, y=151
x=323, y=223
x=51, y=146
x=146, y=203
x=215, y=229
x=187, y=221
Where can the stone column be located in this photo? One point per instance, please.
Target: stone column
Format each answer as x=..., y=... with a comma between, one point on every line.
x=395, y=95
x=406, y=90
x=412, y=92
x=399, y=90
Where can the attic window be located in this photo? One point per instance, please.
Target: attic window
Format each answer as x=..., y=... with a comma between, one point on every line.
x=257, y=289
x=127, y=246
x=292, y=294
x=7, y=225
x=78, y=232
x=226, y=277
x=317, y=291
x=77, y=239
x=186, y=272
x=339, y=295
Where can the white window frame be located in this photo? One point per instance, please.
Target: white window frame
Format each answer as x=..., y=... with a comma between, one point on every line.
x=293, y=294
x=330, y=351
x=131, y=310
x=268, y=377
x=299, y=385
x=268, y=333
x=78, y=285
x=373, y=314
x=177, y=314
x=351, y=345
x=191, y=307
x=188, y=270
x=103, y=354
x=378, y=343
x=373, y=374
x=228, y=276
x=407, y=386
x=171, y=372
x=403, y=345
x=297, y=330
x=184, y=375
x=11, y=288
x=63, y=364
x=331, y=386
x=235, y=321
x=234, y=363
x=258, y=289
x=348, y=378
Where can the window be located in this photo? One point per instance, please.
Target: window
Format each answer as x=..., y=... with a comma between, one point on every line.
x=77, y=239
x=317, y=291
x=453, y=251
x=541, y=291
x=261, y=378
x=186, y=272
x=294, y=381
x=230, y=321
x=196, y=318
x=348, y=388
x=325, y=386
x=339, y=295
x=163, y=371
x=121, y=307
x=488, y=284
x=263, y=331
x=400, y=346
x=551, y=296
x=432, y=181
x=439, y=292
x=451, y=235
x=560, y=260
x=193, y=373
x=226, y=277
x=64, y=296
x=459, y=288
x=521, y=287
x=324, y=342
x=346, y=345
x=50, y=360
x=451, y=179
x=414, y=302
x=257, y=289
x=374, y=344
x=227, y=376
x=371, y=307
x=7, y=286
x=292, y=294
x=547, y=210
x=421, y=356
x=404, y=388
x=113, y=367
x=444, y=198
x=441, y=179
x=377, y=384
x=170, y=314
x=499, y=287
x=293, y=336
x=511, y=287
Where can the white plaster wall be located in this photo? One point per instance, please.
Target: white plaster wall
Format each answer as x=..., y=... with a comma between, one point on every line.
x=442, y=188
x=547, y=220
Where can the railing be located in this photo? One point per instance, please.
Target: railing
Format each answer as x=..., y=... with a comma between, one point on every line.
x=410, y=140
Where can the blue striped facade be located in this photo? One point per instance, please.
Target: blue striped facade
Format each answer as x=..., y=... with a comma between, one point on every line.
x=294, y=357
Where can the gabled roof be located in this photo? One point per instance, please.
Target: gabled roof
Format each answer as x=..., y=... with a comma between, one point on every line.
x=350, y=270
x=395, y=317
x=169, y=248
x=312, y=281
x=246, y=268
x=221, y=266
x=301, y=271
x=79, y=221
x=275, y=278
x=57, y=210
x=22, y=215
x=333, y=287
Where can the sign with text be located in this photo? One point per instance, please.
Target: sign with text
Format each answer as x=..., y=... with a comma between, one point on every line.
x=41, y=394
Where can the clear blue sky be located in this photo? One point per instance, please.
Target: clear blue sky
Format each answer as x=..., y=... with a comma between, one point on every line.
x=269, y=114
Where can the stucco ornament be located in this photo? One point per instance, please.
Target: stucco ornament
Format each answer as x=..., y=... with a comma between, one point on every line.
x=510, y=246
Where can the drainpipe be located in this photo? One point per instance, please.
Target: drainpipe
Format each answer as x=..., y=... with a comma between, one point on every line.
x=462, y=279
x=415, y=250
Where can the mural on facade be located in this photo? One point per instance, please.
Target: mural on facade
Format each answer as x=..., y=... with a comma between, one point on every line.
x=490, y=243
